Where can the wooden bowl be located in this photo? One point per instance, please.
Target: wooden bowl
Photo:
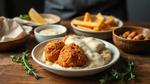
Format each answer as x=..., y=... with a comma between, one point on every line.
x=132, y=46
x=11, y=45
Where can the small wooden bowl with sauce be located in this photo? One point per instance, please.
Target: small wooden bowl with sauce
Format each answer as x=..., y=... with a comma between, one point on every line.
x=132, y=45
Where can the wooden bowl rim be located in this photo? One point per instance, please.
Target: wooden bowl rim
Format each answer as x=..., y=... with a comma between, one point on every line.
x=12, y=41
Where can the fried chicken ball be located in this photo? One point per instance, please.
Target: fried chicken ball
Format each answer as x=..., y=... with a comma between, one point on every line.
x=52, y=50
x=71, y=56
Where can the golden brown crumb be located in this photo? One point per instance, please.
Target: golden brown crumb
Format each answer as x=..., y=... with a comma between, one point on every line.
x=71, y=56
x=52, y=50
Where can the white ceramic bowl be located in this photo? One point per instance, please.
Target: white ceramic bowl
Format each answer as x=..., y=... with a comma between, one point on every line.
x=105, y=35
x=40, y=38
x=38, y=50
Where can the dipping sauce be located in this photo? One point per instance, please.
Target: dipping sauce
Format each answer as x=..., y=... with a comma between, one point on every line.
x=49, y=32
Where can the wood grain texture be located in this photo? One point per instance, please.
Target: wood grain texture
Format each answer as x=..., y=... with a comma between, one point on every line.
x=13, y=73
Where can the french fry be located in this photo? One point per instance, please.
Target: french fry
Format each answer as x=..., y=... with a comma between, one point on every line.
x=87, y=17
x=96, y=28
x=97, y=23
x=83, y=27
x=110, y=21
x=100, y=18
x=101, y=27
x=86, y=24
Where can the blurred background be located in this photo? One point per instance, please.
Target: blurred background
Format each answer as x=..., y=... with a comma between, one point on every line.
x=137, y=10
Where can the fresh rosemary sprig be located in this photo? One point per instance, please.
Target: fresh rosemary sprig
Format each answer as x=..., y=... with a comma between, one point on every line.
x=23, y=59
x=122, y=74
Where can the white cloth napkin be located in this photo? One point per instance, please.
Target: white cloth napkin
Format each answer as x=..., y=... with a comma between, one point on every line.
x=11, y=30
x=26, y=22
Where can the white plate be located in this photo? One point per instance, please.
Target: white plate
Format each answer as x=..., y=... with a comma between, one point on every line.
x=38, y=50
x=54, y=19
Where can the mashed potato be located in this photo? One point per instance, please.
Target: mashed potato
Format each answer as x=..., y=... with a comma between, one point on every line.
x=95, y=50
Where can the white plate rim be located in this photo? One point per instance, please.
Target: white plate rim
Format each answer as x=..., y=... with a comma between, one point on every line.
x=76, y=70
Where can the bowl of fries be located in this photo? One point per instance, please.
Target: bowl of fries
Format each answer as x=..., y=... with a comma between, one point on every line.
x=99, y=26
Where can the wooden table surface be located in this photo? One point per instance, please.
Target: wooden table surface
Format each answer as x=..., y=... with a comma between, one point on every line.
x=13, y=73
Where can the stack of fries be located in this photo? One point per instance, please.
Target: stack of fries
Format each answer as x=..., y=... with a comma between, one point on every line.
x=97, y=23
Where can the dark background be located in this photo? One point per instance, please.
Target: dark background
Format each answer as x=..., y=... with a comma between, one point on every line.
x=11, y=8
x=137, y=10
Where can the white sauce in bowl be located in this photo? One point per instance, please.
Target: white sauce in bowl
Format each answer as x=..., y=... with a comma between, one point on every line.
x=49, y=31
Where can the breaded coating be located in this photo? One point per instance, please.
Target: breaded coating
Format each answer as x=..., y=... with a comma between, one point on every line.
x=52, y=50
x=71, y=56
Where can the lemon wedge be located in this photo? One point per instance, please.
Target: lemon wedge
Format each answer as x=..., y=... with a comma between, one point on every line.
x=36, y=17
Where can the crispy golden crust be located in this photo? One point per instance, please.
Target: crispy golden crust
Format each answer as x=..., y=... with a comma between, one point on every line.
x=52, y=50
x=71, y=56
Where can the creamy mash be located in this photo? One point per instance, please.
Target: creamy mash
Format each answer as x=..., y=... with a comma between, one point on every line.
x=98, y=55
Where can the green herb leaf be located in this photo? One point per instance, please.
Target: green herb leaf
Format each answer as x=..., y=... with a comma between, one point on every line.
x=24, y=17
x=121, y=76
x=102, y=81
x=26, y=65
